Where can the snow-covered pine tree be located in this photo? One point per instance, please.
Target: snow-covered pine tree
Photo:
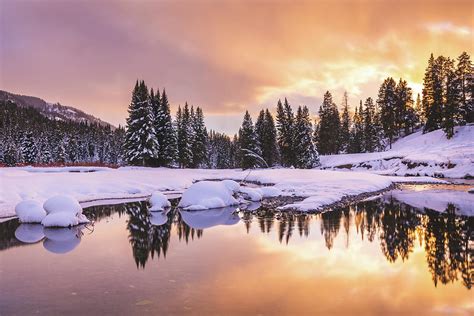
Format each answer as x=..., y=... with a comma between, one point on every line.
x=199, y=146
x=140, y=141
x=165, y=131
x=451, y=115
x=370, y=132
x=357, y=131
x=386, y=102
x=465, y=80
x=345, y=135
x=403, y=107
x=285, y=123
x=185, y=136
x=433, y=93
x=249, y=146
x=270, y=151
x=306, y=155
x=29, y=150
x=329, y=126
x=267, y=137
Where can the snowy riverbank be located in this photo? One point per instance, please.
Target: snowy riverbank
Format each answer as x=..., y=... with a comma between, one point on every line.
x=318, y=187
x=428, y=154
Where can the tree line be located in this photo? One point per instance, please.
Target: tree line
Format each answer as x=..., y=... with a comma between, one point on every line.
x=27, y=137
x=290, y=138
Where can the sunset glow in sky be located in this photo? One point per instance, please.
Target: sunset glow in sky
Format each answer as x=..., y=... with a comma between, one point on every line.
x=225, y=56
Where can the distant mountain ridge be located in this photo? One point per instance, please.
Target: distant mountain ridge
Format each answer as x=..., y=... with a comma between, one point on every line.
x=54, y=111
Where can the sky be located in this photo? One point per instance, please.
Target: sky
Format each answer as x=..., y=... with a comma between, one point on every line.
x=224, y=56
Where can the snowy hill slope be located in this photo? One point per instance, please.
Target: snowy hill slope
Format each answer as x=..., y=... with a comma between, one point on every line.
x=52, y=111
x=429, y=154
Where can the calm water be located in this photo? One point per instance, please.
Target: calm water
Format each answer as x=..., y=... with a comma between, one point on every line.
x=375, y=257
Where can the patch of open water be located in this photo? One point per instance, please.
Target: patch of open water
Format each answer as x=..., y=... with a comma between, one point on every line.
x=375, y=257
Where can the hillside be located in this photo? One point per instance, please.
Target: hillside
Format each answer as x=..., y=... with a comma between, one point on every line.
x=52, y=111
x=429, y=154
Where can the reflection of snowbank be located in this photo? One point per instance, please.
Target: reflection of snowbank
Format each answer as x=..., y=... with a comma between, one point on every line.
x=210, y=218
x=158, y=218
x=29, y=233
x=437, y=200
x=62, y=240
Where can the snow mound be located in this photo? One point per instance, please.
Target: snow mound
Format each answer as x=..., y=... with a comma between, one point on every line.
x=207, y=195
x=158, y=218
x=62, y=203
x=30, y=211
x=252, y=194
x=471, y=190
x=61, y=219
x=62, y=240
x=158, y=202
x=270, y=192
x=29, y=233
x=232, y=185
x=210, y=218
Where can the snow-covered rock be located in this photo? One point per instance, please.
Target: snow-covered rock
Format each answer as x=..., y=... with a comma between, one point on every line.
x=30, y=211
x=29, y=233
x=207, y=195
x=209, y=218
x=61, y=204
x=62, y=240
x=61, y=219
x=471, y=190
x=159, y=202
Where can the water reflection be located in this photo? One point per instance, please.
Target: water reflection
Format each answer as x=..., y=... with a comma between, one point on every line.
x=446, y=238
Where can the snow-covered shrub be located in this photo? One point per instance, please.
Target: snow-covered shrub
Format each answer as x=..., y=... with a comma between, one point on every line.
x=30, y=211
x=61, y=219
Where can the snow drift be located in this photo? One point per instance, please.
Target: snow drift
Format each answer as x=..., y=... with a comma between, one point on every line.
x=207, y=195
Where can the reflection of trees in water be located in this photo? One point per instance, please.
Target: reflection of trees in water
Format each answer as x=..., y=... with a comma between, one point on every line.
x=185, y=232
x=398, y=231
x=447, y=239
x=148, y=240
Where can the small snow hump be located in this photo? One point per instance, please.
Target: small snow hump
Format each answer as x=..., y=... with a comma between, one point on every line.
x=30, y=211
x=62, y=203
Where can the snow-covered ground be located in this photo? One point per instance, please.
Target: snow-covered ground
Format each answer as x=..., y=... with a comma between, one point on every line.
x=319, y=187
x=429, y=154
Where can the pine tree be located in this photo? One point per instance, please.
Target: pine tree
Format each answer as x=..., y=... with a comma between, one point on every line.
x=386, y=101
x=452, y=96
x=370, y=132
x=199, y=146
x=249, y=146
x=267, y=137
x=306, y=155
x=433, y=93
x=465, y=80
x=345, y=126
x=185, y=137
x=329, y=126
x=285, y=123
x=140, y=138
x=29, y=150
x=165, y=131
x=357, y=131
x=403, y=107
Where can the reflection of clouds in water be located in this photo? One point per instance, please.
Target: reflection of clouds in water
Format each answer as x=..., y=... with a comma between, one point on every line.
x=209, y=218
x=29, y=233
x=62, y=240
